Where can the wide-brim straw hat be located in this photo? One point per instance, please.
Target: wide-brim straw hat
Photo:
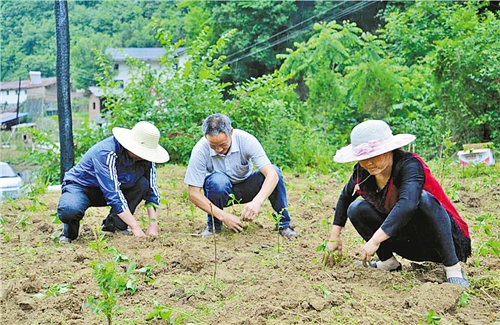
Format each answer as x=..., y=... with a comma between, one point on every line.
x=142, y=141
x=369, y=139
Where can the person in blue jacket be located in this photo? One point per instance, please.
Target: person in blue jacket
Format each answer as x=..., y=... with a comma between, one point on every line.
x=118, y=172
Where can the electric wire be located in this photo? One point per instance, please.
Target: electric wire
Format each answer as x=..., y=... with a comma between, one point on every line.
x=352, y=9
x=285, y=30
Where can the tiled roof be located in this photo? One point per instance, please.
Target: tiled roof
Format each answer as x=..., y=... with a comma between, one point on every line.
x=25, y=84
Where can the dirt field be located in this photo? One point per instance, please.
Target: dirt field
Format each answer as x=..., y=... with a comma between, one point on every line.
x=250, y=278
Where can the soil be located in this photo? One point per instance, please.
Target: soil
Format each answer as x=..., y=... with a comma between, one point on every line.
x=254, y=277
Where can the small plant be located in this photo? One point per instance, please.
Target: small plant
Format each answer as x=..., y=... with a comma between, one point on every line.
x=53, y=291
x=432, y=318
x=23, y=222
x=464, y=298
x=487, y=224
x=111, y=283
x=164, y=313
x=330, y=258
x=324, y=291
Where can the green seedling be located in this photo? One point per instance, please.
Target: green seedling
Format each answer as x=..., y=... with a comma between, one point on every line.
x=111, y=282
x=53, y=291
x=23, y=222
x=215, y=244
x=166, y=314
x=432, y=318
x=55, y=218
x=330, y=258
x=324, y=291
x=464, y=298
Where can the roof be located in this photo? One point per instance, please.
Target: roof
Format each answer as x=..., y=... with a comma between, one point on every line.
x=98, y=92
x=141, y=53
x=25, y=84
x=10, y=116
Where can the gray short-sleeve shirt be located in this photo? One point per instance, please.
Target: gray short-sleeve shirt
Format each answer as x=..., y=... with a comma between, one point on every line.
x=245, y=152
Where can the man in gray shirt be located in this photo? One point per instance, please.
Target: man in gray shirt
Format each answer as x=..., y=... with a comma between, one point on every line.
x=222, y=163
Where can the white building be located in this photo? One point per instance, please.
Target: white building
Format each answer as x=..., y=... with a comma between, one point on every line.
x=123, y=74
x=36, y=87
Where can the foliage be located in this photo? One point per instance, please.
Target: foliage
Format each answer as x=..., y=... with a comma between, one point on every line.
x=454, y=41
x=112, y=283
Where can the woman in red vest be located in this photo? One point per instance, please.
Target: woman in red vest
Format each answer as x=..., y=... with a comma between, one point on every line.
x=403, y=210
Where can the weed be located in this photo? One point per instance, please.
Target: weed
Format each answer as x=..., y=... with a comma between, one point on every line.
x=464, y=298
x=164, y=313
x=23, y=222
x=53, y=291
x=432, y=318
x=324, y=291
x=487, y=224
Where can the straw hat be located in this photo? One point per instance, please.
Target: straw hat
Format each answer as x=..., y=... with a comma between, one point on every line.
x=369, y=139
x=142, y=141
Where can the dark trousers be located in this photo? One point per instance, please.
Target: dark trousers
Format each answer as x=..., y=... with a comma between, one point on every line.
x=76, y=199
x=218, y=187
x=428, y=236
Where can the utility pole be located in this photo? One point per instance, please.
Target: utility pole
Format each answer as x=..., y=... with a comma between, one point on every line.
x=63, y=87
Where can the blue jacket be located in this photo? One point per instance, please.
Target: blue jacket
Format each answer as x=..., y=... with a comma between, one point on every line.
x=108, y=166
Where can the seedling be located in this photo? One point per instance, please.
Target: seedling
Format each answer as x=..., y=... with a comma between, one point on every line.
x=111, y=283
x=463, y=300
x=215, y=243
x=23, y=222
x=330, y=258
x=432, y=318
x=167, y=314
x=53, y=291
x=324, y=291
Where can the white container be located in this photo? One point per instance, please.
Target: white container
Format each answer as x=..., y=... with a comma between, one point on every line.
x=476, y=156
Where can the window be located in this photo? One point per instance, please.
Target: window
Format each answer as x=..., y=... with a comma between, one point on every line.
x=117, y=66
x=93, y=105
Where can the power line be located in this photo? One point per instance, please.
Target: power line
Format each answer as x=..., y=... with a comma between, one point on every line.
x=354, y=8
x=285, y=30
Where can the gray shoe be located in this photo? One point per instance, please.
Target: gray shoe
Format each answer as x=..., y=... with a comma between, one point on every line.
x=125, y=232
x=288, y=233
x=460, y=281
x=207, y=232
x=64, y=240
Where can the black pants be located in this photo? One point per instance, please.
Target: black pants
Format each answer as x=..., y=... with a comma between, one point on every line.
x=430, y=235
x=76, y=199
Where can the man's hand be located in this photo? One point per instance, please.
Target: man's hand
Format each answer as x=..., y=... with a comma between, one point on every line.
x=153, y=229
x=137, y=231
x=250, y=210
x=232, y=222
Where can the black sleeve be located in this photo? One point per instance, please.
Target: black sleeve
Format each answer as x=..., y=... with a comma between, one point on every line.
x=345, y=199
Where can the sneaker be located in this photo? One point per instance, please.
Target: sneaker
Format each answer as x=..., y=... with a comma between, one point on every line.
x=207, y=232
x=108, y=226
x=373, y=264
x=288, y=233
x=125, y=232
x=64, y=240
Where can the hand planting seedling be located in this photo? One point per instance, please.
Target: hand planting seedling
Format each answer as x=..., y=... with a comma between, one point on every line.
x=330, y=257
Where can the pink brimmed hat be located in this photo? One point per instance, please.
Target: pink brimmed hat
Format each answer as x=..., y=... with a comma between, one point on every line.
x=369, y=139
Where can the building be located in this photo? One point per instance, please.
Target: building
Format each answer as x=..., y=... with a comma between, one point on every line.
x=13, y=93
x=123, y=73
